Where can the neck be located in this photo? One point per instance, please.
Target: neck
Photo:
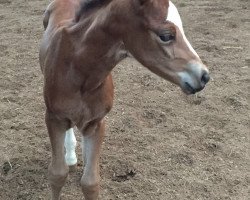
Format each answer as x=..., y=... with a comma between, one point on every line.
x=98, y=47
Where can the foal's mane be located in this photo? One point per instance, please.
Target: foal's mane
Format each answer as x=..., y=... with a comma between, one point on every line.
x=87, y=5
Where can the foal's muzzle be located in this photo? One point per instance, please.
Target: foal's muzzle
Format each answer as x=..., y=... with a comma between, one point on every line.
x=194, y=78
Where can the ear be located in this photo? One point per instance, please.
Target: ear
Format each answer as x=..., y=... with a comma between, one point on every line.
x=47, y=12
x=46, y=19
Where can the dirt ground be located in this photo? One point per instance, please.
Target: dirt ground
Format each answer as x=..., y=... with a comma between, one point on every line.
x=160, y=144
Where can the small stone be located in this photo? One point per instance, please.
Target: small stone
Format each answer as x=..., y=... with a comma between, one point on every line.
x=6, y=167
x=247, y=61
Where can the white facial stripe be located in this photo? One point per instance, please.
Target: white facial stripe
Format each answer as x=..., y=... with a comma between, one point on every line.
x=195, y=68
x=174, y=17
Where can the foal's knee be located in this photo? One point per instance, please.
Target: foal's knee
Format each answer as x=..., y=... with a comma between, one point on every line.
x=90, y=190
x=57, y=177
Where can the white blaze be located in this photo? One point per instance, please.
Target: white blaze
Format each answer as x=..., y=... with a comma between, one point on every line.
x=174, y=17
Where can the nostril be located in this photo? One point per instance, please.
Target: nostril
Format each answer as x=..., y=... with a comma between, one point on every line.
x=205, y=77
x=189, y=88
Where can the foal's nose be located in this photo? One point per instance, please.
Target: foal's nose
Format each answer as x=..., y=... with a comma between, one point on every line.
x=205, y=78
x=194, y=78
x=202, y=82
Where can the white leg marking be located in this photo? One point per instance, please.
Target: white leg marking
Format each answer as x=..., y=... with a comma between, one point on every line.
x=89, y=151
x=70, y=146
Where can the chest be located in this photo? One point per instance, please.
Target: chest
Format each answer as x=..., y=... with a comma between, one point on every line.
x=80, y=106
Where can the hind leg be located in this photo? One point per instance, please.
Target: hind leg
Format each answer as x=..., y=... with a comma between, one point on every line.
x=58, y=169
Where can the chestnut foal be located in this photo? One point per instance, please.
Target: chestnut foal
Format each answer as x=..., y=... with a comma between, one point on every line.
x=82, y=43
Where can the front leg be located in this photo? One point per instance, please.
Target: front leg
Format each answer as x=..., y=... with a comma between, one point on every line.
x=58, y=169
x=92, y=139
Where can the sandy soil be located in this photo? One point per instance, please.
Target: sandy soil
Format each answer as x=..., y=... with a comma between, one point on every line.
x=160, y=144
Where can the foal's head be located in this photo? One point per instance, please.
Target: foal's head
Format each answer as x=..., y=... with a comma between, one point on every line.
x=160, y=45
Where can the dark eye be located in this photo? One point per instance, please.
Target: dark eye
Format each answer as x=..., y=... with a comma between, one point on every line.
x=167, y=37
